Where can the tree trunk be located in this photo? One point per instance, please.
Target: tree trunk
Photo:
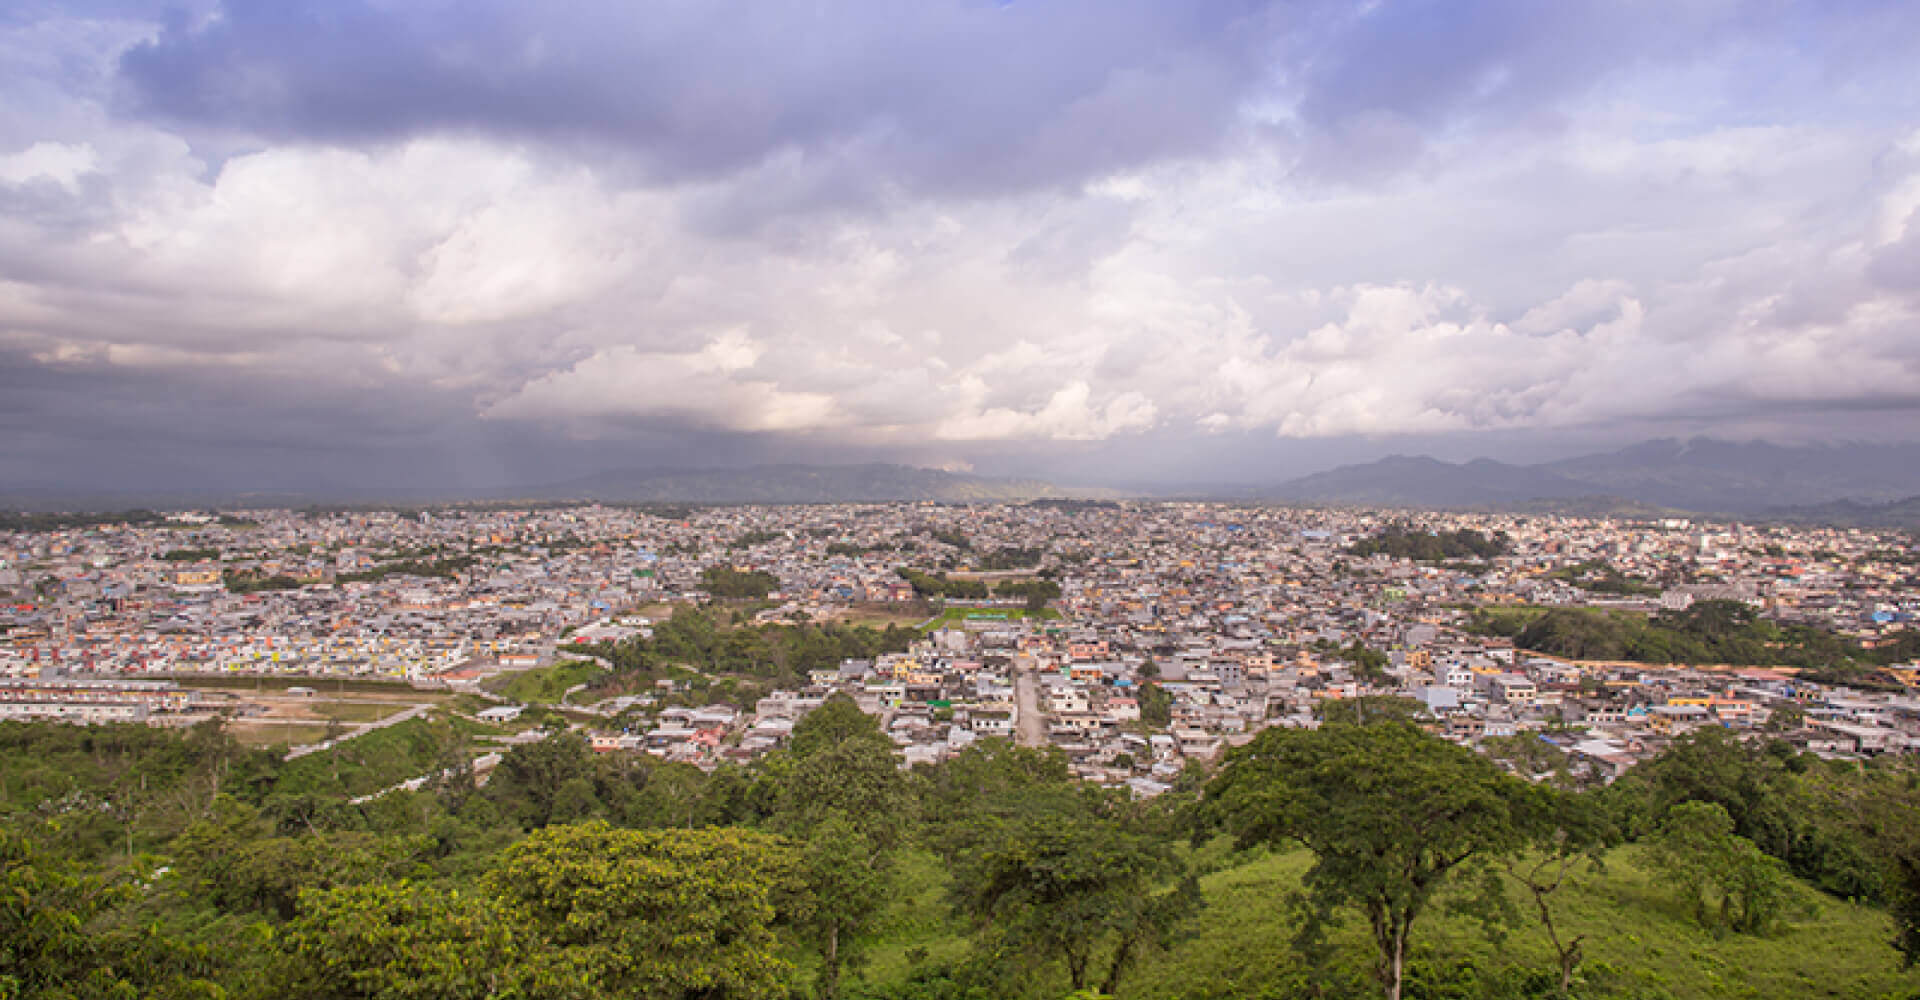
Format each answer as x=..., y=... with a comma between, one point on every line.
x=1399, y=963
x=830, y=969
x=1121, y=954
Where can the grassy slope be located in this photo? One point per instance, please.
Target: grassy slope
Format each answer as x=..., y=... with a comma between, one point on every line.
x=378, y=759
x=545, y=685
x=1639, y=941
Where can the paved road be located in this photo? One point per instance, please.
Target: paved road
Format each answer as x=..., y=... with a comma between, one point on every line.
x=391, y=720
x=1031, y=725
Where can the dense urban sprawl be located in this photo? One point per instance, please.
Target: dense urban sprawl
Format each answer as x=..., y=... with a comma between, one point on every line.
x=1136, y=637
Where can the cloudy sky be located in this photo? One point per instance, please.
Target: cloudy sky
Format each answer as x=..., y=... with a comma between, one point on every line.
x=290, y=243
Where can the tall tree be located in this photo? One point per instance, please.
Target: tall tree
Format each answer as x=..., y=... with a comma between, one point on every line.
x=840, y=792
x=1388, y=811
x=1067, y=883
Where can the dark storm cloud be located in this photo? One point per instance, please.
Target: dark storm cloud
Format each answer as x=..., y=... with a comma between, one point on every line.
x=479, y=242
x=951, y=94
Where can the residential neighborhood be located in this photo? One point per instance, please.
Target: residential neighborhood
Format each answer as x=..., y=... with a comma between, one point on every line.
x=1138, y=638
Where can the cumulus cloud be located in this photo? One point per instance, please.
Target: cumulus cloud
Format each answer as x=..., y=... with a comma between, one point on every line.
x=961, y=230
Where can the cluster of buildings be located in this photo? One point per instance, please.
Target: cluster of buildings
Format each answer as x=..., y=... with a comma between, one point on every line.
x=1180, y=628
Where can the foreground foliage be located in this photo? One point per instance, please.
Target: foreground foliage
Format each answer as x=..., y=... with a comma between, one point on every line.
x=1372, y=858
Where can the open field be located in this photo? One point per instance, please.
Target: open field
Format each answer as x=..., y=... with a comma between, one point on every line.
x=355, y=711
x=1639, y=941
x=955, y=616
x=268, y=734
x=882, y=615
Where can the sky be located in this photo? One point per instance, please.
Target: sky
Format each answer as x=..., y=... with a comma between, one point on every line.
x=287, y=244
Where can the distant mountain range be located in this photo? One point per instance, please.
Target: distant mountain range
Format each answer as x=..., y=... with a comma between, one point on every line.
x=1866, y=485
x=1700, y=475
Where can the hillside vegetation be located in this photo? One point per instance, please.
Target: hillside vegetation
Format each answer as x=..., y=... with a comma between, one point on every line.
x=1349, y=861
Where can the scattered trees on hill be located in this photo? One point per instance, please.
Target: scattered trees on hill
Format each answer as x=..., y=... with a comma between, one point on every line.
x=733, y=584
x=1401, y=542
x=575, y=874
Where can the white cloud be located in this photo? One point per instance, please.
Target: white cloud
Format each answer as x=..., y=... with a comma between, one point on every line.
x=1627, y=263
x=707, y=389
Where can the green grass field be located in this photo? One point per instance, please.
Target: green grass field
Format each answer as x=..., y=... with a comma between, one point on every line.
x=380, y=758
x=355, y=711
x=257, y=735
x=955, y=616
x=1640, y=943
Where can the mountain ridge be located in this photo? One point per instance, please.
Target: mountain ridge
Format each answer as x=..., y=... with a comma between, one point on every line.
x=1699, y=474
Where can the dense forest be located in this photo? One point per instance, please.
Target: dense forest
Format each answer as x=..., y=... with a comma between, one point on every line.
x=1352, y=860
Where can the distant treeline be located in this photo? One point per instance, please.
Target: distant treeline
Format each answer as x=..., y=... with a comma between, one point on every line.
x=1601, y=577
x=1729, y=632
x=1036, y=592
x=251, y=583
x=1057, y=503
x=27, y=521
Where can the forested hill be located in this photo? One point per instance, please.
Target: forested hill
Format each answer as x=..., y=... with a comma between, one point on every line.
x=1347, y=861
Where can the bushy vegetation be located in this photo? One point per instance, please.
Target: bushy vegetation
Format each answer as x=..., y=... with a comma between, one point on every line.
x=1718, y=631
x=782, y=654
x=547, y=685
x=1352, y=860
x=1601, y=577
x=1427, y=546
x=732, y=584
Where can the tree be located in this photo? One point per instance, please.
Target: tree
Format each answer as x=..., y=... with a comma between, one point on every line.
x=529, y=779
x=650, y=913
x=1156, y=705
x=1074, y=885
x=1711, y=864
x=46, y=906
x=849, y=804
x=838, y=718
x=1388, y=811
x=1568, y=834
x=843, y=881
x=407, y=942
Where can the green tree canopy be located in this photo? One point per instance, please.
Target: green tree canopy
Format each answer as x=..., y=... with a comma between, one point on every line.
x=1388, y=811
